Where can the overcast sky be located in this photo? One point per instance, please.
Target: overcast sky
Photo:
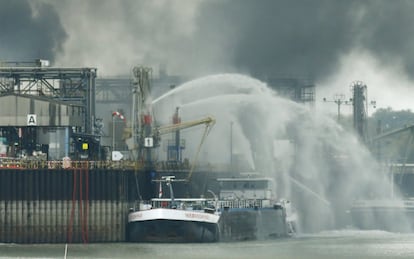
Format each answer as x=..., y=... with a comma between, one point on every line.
x=335, y=42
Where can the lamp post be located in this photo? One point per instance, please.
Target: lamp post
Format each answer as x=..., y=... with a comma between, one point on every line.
x=231, y=146
x=339, y=99
x=113, y=133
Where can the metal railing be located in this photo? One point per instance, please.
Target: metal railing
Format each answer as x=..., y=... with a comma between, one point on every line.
x=13, y=163
x=240, y=204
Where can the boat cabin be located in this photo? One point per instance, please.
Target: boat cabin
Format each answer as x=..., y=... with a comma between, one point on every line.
x=246, y=188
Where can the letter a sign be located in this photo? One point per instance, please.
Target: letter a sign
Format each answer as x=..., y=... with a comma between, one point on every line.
x=31, y=120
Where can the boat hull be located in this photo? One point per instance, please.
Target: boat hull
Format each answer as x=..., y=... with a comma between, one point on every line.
x=173, y=226
x=172, y=231
x=394, y=216
x=253, y=224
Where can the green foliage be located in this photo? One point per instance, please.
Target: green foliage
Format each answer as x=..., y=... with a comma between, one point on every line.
x=390, y=119
x=396, y=148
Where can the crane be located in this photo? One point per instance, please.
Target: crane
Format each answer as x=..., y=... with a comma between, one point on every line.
x=207, y=121
x=158, y=131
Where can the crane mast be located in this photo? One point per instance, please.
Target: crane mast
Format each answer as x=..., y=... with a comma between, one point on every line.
x=142, y=117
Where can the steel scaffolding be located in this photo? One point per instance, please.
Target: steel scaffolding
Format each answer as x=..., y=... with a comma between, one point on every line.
x=72, y=86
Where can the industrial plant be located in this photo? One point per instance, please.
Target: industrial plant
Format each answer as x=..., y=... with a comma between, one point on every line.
x=78, y=153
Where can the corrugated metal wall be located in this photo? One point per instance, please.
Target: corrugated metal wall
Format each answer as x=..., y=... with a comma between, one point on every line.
x=15, y=108
x=54, y=221
x=58, y=205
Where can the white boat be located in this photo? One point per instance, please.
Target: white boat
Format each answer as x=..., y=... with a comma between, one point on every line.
x=392, y=212
x=395, y=215
x=249, y=210
x=174, y=219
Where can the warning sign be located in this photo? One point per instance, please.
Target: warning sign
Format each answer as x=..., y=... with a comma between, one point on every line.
x=31, y=120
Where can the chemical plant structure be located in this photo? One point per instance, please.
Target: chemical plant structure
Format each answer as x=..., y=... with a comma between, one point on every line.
x=63, y=177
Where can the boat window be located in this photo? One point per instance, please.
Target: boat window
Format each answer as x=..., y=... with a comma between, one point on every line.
x=237, y=185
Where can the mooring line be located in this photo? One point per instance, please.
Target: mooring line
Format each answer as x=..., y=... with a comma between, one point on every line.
x=72, y=213
x=66, y=250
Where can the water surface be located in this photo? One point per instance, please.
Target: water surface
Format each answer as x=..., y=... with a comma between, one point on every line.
x=330, y=244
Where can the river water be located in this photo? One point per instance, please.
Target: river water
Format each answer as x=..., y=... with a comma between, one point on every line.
x=330, y=244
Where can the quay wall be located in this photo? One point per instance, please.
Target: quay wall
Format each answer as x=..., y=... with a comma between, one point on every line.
x=66, y=205
x=62, y=221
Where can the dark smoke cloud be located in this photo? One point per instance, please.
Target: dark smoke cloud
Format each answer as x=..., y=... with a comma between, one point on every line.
x=302, y=37
x=114, y=35
x=263, y=37
x=29, y=31
x=387, y=29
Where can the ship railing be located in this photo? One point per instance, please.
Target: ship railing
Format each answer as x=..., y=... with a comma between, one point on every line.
x=13, y=163
x=384, y=203
x=10, y=163
x=172, y=166
x=249, y=203
x=179, y=203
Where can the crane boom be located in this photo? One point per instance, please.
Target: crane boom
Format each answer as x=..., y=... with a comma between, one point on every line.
x=393, y=132
x=208, y=121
